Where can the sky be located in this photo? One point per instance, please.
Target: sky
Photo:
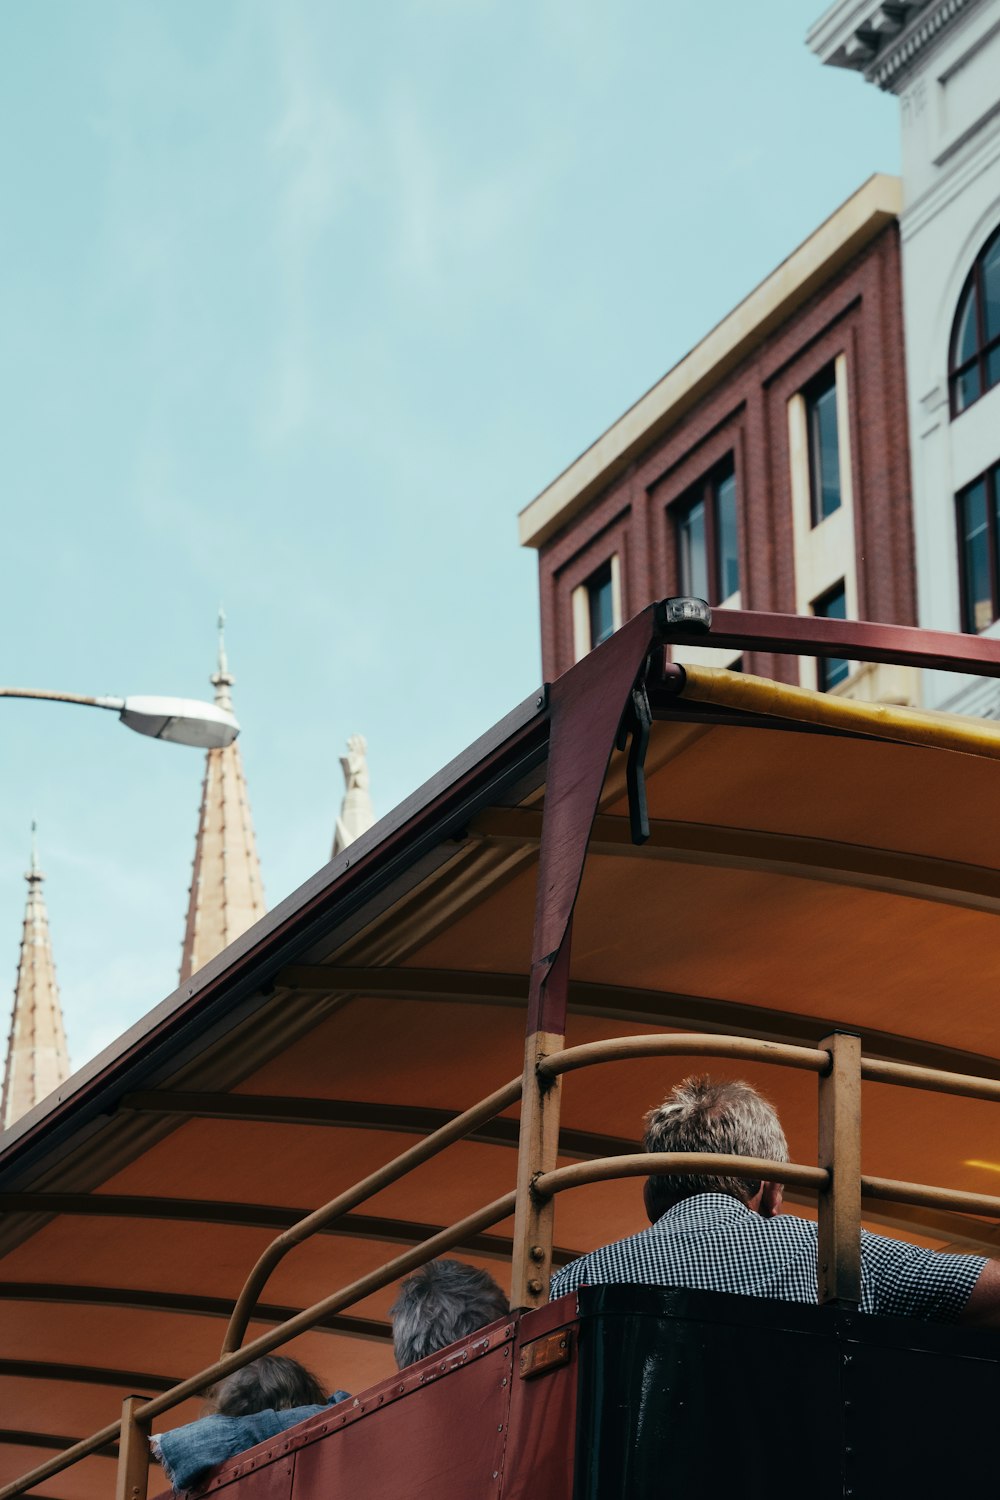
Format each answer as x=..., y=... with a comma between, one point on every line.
x=300, y=303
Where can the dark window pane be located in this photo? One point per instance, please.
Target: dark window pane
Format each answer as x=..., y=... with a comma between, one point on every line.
x=991, y=290
x=833, y=606
x=831, y=669
x=967, y=335
x=966, y=388
x=824, y=450
x=993, y=368
x=973, y=366
x=726, y=532
x=978, y=601
x=692, y=550
x=602, y=614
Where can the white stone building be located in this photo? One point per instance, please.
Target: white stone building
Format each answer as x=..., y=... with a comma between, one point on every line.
x=942, y=60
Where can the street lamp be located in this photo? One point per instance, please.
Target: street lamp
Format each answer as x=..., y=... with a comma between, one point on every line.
x=183, y=721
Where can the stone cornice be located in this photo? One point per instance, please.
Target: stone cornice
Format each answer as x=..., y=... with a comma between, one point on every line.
x=882, y=41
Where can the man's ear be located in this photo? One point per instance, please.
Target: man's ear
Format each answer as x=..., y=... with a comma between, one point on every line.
x=647, y=1198
x=771, y=1195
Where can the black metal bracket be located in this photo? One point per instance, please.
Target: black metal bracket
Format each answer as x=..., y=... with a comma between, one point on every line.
x=636, y=722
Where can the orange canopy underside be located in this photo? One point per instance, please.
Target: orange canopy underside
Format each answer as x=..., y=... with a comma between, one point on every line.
x=794, y=882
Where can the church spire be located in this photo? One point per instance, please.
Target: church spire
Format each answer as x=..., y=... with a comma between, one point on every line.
x=37, y=1059
x=226, y=895
x=222, y=679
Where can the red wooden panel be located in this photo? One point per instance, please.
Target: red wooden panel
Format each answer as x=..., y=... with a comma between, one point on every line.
x=255, y=1474
x=271, y=1481
x=461, y=1425
x=539, y=1457
x=439, y=1441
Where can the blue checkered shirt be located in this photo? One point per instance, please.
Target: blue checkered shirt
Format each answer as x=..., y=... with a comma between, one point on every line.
x=714, y=1243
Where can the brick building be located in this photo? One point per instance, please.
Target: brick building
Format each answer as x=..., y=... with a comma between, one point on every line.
x=767, y=470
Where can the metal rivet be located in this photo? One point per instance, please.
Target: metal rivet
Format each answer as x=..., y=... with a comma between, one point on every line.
x=538, y=703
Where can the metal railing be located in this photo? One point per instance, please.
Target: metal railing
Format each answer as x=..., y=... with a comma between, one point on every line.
x=840, y=1069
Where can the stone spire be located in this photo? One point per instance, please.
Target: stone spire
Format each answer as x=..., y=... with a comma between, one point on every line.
x=37, y=1059
x=356, y=812
x=227, y=895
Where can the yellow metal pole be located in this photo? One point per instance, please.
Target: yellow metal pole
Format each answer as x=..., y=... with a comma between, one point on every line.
x=839, y=1260
x=538, y=1146
x=133, y=1452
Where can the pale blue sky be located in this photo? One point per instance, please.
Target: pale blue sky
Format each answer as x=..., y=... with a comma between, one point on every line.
x=300, y=304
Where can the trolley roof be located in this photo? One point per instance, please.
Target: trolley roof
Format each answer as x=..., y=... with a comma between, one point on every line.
x=798, y=879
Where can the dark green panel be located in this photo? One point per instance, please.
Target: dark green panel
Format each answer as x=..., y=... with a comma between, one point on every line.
x=693, y=1393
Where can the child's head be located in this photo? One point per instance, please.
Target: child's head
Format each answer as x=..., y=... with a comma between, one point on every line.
x=273, y=1382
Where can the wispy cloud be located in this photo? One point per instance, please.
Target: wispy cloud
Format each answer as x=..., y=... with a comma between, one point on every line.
x=449, y=216
x=313, y=149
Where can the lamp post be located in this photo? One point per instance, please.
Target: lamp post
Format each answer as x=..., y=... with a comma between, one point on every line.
x=183, y=721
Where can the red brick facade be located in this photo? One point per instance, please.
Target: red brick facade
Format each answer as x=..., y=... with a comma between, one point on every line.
x=857, y=313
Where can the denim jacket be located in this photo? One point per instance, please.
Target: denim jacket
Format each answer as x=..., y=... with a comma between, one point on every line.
x=187, y=1453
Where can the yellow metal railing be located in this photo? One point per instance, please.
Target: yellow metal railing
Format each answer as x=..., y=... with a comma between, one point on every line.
x=840, y=1186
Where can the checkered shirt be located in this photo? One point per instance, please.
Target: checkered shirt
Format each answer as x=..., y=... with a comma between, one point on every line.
x=714, y=1243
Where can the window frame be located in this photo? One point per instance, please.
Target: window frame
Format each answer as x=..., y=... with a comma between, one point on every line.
x=824, y=382
x=706, y=491
x=990, y=479
x=580, y=640
x=979, y=360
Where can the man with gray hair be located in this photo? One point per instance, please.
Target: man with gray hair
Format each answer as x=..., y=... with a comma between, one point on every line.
x=728, y=1234
x=443, y=1301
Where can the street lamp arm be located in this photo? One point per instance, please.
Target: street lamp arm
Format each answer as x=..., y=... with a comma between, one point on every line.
x=117, y=704
x=183, y=721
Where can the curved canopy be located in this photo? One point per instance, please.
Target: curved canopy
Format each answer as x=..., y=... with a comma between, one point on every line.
x=796, y=880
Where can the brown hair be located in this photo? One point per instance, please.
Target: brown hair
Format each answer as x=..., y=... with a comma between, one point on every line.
x=273, y=1382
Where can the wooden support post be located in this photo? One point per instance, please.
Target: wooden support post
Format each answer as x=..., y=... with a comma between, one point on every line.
x=839, y=1259
x=538, y=1147
x=133, y=1453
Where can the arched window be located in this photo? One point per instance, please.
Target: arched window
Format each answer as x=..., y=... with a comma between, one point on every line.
x=974, y=361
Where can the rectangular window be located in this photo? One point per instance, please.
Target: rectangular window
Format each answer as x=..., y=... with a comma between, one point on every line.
x=979, y=563
x=824, y=445
x=831, y=669
x=600, y=602
x=692, y=551
x=708, y=560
